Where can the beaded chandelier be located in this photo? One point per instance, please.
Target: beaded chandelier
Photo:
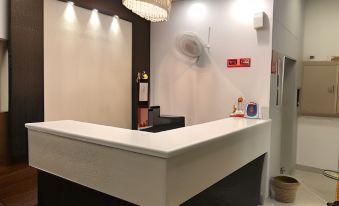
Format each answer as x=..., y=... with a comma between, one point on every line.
x=152, y=10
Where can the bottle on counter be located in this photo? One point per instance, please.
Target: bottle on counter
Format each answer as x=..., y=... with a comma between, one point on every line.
x=239, y=111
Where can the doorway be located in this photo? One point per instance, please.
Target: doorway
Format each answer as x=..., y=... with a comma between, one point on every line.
x=289, y=115
x=283, y=112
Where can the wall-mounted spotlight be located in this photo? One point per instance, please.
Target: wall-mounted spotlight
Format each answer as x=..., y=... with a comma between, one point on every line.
x=94, y=19
x=69, y=13
x=197, y=11
x=115, y=26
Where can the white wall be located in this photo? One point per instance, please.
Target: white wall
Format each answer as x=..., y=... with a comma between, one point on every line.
x=3, y=18
x=321, y=29
x=318, y=142
x=288, y=30
x=287, y=40
x=207, y=91
x=318, y=139
x=87, y=67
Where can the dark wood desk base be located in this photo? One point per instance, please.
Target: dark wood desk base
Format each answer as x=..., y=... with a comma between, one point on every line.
x=242, y=188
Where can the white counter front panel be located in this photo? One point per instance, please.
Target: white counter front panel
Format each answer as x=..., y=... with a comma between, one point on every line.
x=162, y=169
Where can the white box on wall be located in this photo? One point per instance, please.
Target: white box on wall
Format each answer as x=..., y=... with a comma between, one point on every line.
x=258, y=21
x=3, y=18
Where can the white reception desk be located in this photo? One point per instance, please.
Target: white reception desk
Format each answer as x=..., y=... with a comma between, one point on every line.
x=149, y=169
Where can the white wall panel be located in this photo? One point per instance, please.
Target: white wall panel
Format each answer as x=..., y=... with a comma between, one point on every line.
x=321, y=30
x=318, y=139
x=288, y=26
x=88, y=66
x=207, y=91
x=318, y=142
x=3, y=19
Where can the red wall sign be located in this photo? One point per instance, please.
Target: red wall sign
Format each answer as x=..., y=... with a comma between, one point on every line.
x=243, y=62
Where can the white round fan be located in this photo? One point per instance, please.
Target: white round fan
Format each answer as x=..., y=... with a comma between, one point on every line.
x=190, y=45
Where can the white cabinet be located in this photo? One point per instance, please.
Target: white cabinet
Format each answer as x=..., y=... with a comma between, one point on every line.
x=320, y=89
x=3, y=18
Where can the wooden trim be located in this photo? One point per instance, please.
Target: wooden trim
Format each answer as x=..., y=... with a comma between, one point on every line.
x=26, y=84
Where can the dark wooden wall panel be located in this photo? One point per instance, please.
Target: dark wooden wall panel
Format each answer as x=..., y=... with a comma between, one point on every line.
x=26, y=63
x=26, y=95
x=3, y=138
x=241, y=188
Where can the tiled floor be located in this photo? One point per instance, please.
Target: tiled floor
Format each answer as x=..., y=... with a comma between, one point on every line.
x=320, y=185
x=315, y=190
x=305, y=197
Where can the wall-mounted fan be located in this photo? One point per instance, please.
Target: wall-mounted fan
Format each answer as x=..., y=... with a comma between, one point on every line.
x=190, y=45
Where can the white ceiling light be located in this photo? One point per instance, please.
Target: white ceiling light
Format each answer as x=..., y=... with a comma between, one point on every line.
x=152, y=10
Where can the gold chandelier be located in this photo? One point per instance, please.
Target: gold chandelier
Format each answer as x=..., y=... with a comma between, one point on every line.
x=152, y=10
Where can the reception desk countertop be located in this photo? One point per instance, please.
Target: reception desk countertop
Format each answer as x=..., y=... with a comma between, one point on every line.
x=164, y=144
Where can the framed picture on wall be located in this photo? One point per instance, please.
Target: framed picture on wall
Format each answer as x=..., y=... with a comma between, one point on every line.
x=143, y=92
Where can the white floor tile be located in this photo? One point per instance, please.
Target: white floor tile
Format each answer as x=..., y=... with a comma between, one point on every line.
x=315, y=190
x=304, y=198
x=322, y=186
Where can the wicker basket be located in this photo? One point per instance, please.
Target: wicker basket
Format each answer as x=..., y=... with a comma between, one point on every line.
x=284, y=189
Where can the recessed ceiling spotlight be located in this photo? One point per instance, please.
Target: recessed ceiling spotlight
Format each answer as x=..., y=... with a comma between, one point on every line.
x=95, y=10
x=71, y=3
x=116, y=16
